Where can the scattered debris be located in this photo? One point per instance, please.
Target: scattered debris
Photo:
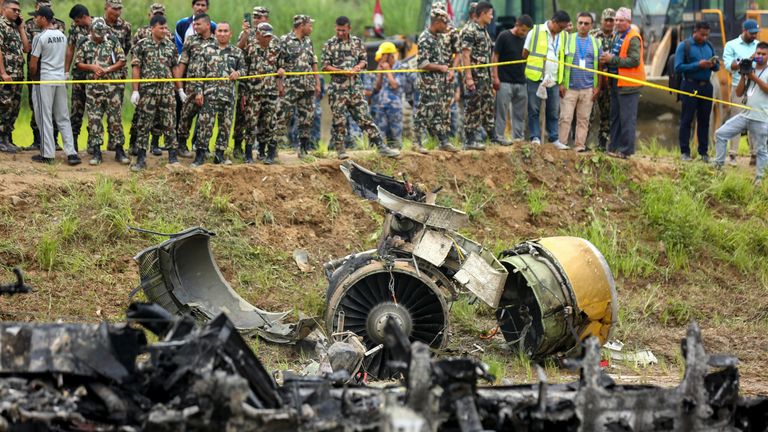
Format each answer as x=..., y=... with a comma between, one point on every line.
x=642, y=358
x=301, y=257
x=181, y=275
x=17, y=287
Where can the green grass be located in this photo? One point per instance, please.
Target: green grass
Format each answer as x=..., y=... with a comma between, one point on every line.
x=537, y=201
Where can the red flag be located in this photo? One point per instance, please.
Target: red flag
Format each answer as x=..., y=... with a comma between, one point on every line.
x=449, y=9
x=378, y=19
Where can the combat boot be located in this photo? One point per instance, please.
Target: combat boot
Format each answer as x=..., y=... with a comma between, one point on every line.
x=141, y=161
x=303, y=148
x=5, y=147
x=121, y=157
x=74, y=143
x=271, y=156
x=220, y=159
x=172, y=159
x=262, y=153
x=385, y=150
x=418, y=146
x=132, y=148
x=35, y=141
x=447, y=146
x=12, y=144
x=184, y=151
x=155, y=149
x=96, y=156
x=199, y=158
x=248, y=154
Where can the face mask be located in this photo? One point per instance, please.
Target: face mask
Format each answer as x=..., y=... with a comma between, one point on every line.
x=759, y=59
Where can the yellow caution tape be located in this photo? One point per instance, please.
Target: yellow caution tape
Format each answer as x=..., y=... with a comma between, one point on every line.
x=458, y=68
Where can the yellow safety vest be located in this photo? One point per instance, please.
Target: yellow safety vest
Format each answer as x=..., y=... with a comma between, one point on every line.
x=569, y=55
x=537, y=57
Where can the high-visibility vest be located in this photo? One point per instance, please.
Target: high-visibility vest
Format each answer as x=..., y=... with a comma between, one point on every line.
x=570, y=52
x=537, y=57
x=637, y=72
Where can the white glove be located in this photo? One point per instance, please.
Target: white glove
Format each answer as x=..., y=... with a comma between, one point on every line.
x=182, y=95
x=66, y=76
x=135, y=98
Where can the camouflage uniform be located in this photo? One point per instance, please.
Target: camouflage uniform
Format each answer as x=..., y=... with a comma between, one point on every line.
x=297, y=55
x=479, y=104
x=388, y=107
x=218, y=96
x=601, y=109
x=119, y=32
x=261, y=97
x=434, y=88
x=345, y=92
x=197, y=53
x=156, y=102
x=32, y=31
x=77, y=36
x=411, y=93
x=103, y=99
x=13, y=61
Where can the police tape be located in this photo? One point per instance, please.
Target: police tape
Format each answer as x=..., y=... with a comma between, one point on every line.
x=363, y=72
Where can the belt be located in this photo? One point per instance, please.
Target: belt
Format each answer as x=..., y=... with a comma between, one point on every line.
x=698, y=83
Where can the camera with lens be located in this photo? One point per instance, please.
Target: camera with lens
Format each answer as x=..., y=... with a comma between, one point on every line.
x=745, y=66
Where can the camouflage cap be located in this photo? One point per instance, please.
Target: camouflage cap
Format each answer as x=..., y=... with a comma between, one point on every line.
x=265, y=29
x=609, y=13
x=46, y=3
x=440, y=14
x=115, y=4
x=260, y=11
x=157, y=8
x=301, y=19
x=99, y=27
x=438, y=5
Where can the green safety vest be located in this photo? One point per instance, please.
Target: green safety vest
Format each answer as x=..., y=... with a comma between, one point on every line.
x=570, y=54
x=537, y=56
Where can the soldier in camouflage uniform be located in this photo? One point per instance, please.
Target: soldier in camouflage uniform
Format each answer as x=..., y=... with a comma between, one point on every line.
x=436, y=85
x=157, y=129
x=13, y=44
x=199, y=49
x=102, y=58
x=79, y=32
x=601, y=110
x=217, y=98
x=262, y=95
x=476, y=49
x=245, y=39
x=345, y=53
x=120, y=31
x=298, y=55
x=154, y=57
x=33, y=30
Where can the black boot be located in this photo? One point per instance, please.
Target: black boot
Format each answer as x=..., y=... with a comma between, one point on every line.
x=9, y=136
x=141, y=161
x=121, y=157
x=303, y=145
x=219, y=158
x=262, y=153
x=96, y=158
x=156, y=146
x=199, y=158
x=5, y=146
x=74, y=143
x=249, y=154
x=132, y=148
x=172, y=159
x=271, y=156
x=35, y=141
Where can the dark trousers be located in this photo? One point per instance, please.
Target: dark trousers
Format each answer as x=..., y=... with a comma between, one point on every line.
x=699, y=109
x=623, y=121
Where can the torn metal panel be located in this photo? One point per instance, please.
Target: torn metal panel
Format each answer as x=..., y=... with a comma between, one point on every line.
x=181, y=275
x=428, y=214
x=365, y=183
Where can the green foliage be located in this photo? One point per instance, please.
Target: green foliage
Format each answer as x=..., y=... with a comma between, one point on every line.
x=464, y=315
x=476, y=196
x=331, y=203
x=47, y=251
x=537, y=201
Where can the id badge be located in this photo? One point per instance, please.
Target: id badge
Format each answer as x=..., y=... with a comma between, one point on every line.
x=582, y=63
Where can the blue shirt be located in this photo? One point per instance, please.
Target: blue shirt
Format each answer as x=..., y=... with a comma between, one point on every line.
x=618, y=41
x=581, y=79
x=184, y=28
x=737, y=49
x=388, y=97
x=698, y=52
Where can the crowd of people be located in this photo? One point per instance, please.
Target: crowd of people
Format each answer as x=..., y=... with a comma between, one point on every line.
x=551, y=64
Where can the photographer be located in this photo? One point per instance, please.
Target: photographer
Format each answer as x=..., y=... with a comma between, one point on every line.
x=754, y=86
x=695, y=60
x=739, y=48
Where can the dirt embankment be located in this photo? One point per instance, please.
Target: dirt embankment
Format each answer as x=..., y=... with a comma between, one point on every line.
x=263, y=213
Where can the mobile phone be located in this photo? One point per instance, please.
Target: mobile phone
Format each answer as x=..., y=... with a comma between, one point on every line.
x=247, y=17
x=19, y=20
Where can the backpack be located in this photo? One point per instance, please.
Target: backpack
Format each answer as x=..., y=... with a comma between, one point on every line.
x=676, y=78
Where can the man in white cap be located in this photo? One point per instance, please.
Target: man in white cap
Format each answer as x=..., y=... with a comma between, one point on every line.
x=626, y=60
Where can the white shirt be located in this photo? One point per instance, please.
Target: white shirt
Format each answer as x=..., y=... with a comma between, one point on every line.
x=50, y=47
